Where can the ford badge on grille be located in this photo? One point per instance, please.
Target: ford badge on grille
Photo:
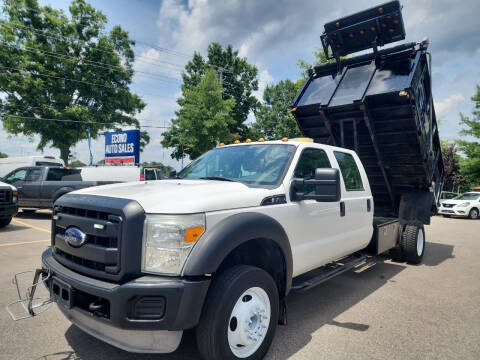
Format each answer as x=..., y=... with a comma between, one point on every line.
x=75, y=237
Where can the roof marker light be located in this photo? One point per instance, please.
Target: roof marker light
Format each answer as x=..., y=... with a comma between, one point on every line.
x=221, y=144
x=261, y=140
x=236, y=141
x=248, y=140
x=284, y=139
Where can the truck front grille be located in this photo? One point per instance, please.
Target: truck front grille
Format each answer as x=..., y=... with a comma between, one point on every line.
x=5, y=196
x=113, y=231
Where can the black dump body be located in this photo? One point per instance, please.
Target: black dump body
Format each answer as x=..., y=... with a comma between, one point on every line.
x=380, y=105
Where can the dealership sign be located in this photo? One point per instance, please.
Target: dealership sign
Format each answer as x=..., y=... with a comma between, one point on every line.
x=122, y=147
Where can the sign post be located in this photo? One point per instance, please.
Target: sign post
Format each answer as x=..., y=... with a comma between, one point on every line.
x=122, y=147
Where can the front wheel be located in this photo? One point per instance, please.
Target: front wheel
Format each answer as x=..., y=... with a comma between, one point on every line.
x=4, y=222
x=240, y=315
x=473, y=214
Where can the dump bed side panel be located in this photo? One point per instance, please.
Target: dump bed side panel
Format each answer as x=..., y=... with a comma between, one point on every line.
x=382, y=108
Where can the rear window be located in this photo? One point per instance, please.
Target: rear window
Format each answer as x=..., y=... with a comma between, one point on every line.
x=47, y=163
x=59, y=174
x=350, y=173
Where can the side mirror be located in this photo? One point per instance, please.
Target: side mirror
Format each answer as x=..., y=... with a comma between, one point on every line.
x=327, y=186
x=172, y=174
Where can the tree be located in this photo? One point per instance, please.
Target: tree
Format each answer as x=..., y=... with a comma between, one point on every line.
x=3, y=155
x=470, y=165
x=204, y=119
x=60, y=67
x=273, y=119
x=166, y=169
x=320, y=59
x=76, y=163
x=238, y=77
x=451, y=163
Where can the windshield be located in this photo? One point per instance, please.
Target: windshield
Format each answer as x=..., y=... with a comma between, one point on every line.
x=468, y=196
x=250, y=164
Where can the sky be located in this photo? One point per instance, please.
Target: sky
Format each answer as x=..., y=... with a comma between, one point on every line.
x=273, y=35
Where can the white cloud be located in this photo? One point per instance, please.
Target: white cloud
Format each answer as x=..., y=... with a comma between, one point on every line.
x=264, y=80
x=444, y=107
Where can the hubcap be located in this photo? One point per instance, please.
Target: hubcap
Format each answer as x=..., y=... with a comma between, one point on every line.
x=474, y=214
x=420, y=241
x=249, y=322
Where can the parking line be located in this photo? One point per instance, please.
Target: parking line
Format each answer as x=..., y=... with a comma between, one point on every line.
x=24, y=242
x=31, y=226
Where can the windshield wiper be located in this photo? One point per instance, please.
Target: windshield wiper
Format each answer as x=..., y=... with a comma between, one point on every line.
x=216, y=178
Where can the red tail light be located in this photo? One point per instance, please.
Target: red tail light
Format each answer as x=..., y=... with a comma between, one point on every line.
x=142, y=177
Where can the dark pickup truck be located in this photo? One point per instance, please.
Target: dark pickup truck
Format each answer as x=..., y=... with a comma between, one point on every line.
x=40, y=186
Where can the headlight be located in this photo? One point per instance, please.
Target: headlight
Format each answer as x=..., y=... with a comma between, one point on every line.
x=14, y=196
x=168, y=240
x=465, y=204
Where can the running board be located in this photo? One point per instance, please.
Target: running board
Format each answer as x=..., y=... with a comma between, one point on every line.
x=316, y=277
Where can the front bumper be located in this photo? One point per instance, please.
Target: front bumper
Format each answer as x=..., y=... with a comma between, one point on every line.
x=453, y=211
x=120, y=323
x=7, y=211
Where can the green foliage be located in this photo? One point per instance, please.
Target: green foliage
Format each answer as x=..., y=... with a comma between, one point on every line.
x=470, y=165
x=203, y=120
x=76, y=163
x=3, y=155
x=238, y=77
x=320, y=59
x=274, y=119
x=50, y=68
x=451, y=163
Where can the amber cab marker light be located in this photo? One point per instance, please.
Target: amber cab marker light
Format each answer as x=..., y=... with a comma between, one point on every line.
x=248, y=140
x=404, y=93
x=236, y=142
x=294, y=109
x=284, y=139
x=261, y=140
x=221, y=144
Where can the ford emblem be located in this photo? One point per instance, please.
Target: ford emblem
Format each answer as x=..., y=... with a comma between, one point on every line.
x=75, y=237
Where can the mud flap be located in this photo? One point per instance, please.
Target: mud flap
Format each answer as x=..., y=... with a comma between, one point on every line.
x=28, y=305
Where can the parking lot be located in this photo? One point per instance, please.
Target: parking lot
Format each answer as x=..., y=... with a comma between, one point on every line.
x=391, y=310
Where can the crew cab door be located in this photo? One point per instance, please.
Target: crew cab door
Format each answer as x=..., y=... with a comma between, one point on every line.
x=32, y=187
x=356, y=206
x=313, y=226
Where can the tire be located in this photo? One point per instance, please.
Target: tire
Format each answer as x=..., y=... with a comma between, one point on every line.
x=237, y=296
x=473, y=214
x=397, y=255
x=4, y=222
x=413, y=243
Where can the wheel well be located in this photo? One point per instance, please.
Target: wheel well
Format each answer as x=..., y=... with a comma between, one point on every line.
x=262, y=253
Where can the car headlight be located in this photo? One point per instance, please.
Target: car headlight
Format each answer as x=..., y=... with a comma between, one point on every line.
x=168, y=240
x=14, y=196
x=465, y=204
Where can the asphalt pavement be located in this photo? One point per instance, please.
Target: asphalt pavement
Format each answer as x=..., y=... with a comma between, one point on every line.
x=389, y=311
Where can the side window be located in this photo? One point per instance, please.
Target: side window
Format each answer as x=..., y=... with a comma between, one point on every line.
x=34, y=175
x=18, y=175
x=310, y=159
x=348, y=167
x=150, y=174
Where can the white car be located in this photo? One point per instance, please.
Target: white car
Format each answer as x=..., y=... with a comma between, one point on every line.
x=465, y=205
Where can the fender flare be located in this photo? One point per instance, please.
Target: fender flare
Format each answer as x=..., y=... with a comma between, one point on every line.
x=60, y=192
x=208, y=254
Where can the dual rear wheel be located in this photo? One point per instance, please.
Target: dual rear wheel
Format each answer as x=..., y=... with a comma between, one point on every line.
x=412, y=244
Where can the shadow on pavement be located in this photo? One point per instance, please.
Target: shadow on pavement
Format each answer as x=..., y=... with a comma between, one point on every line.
x=39, y=215
x=13, y=227
x=436, y=253
x=307, y=312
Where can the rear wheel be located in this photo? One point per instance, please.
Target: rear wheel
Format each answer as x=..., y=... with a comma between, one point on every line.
x=240, y=315
x=4, y=222
x=473, y=214
x=413, y=243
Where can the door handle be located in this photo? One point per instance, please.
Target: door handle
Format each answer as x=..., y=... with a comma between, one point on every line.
x=342, y=208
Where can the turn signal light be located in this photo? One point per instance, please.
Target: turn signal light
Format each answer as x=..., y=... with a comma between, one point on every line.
x=193, y=234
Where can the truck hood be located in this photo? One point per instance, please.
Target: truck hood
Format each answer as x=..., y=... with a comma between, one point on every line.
x=185, y=196
x=2, y=184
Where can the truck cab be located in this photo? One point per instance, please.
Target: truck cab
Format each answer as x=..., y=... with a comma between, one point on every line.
x=8, y=203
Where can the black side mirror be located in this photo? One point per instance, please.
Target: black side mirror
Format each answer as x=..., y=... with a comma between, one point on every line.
x=327, y=186
x=172, y=174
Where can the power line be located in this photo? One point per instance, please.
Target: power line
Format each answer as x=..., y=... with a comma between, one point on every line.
x=82, y=122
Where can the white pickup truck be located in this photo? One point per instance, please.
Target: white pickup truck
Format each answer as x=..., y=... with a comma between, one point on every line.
x=218, y=248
